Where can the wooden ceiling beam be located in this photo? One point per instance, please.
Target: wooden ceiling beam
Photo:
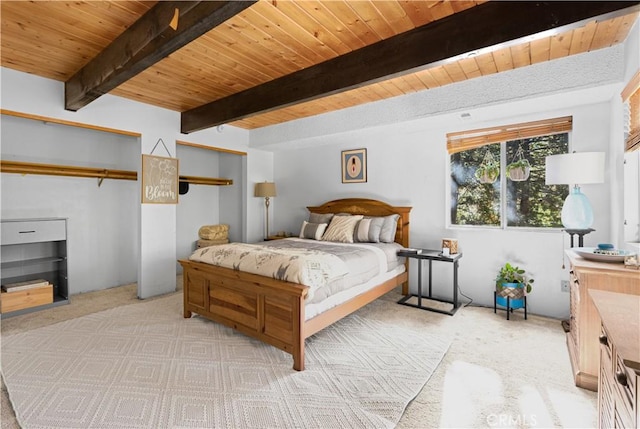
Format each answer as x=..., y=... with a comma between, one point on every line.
x=489, y=25
x=147, y=41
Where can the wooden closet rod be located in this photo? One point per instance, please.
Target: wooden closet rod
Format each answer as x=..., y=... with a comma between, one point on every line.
x=65, y=170
x=196, y=180
x=20, y=167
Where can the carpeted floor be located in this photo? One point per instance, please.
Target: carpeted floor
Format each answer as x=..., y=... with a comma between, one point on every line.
x=497, y=373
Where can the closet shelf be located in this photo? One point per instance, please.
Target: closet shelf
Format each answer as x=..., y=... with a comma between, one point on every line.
x=20, y=167
x=28, y=262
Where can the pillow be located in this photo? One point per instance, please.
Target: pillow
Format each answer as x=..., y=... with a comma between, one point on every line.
x=341, y=229
x=313, y=231
x=375, y=228
x=368, y=230
x=361, y=232
x=389, y=226
x=320, y=218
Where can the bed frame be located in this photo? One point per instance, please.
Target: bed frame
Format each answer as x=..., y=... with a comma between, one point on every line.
x=272, y=310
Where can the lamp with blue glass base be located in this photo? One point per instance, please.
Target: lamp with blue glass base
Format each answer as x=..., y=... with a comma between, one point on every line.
x=577, y=168
x=576, y=210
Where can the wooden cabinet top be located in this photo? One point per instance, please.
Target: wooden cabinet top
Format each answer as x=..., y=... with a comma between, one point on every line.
x=579, y=261
x=620, y=315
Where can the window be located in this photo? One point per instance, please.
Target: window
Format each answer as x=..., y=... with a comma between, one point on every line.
x=631, y=97
x=498, y=175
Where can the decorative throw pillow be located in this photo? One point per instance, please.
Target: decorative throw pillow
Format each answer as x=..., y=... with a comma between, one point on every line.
x=361, y=232
x=389, y=226
x=320, y=217
x=312, y=231
x=375, y=228
x=341, y=229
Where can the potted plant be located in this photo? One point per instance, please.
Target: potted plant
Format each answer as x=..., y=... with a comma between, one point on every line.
x=488, y=170
x=519, y=170
x=487, y=173
x=512, y=282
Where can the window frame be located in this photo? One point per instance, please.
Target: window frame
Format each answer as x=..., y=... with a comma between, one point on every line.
x=631, y=99
x=561, y=127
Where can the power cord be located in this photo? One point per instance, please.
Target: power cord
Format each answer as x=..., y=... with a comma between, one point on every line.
x=466, y=296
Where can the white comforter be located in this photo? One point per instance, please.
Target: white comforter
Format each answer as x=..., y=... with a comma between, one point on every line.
x=308, y=267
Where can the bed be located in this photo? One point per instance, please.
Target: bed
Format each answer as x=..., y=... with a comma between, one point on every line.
x=272, y=310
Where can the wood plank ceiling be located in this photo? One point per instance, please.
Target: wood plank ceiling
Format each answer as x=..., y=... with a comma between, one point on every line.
x=269, y=40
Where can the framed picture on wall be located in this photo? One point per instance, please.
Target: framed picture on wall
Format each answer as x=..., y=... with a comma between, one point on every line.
x=354, y=166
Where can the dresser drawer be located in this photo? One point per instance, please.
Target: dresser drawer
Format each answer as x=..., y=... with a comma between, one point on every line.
x=607, y=350
x=20, y=232
x=625, y=381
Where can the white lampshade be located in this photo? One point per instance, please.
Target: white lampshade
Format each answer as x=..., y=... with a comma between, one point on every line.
x=574, y=168
x=265, y=189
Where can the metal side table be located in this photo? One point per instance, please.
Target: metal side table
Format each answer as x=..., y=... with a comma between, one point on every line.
x=432, y=255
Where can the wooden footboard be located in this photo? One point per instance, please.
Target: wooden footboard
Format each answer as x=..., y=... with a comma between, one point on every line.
x=263, y=308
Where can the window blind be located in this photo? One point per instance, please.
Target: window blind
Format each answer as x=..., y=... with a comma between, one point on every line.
x=631, y=96
x=465, y=140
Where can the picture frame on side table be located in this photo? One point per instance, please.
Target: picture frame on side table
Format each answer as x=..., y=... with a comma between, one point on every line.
x=354, y=166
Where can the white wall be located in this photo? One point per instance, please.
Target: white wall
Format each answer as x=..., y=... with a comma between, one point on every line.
x=200, y=205
x=232, y=198
x=209, y=205
x=156, y=223
x=102, y=226
x=260, y=168
x=407, y=164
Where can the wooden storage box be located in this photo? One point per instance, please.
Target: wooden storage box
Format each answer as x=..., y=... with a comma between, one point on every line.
x=19, y=300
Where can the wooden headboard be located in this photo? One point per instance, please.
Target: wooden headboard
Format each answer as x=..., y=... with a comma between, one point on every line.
x=369, y=207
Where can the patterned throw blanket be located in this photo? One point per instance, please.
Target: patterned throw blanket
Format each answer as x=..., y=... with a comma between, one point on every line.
x=311, y=268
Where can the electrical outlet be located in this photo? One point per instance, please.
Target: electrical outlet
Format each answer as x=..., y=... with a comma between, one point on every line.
x=564, y=285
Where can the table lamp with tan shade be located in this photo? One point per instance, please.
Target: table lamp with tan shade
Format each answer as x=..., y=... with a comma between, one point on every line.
x=266, y=190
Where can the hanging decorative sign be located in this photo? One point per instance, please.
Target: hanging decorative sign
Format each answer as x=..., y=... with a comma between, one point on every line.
x=159, y=178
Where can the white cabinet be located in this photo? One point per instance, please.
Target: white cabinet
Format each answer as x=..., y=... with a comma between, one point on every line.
x=33, y=249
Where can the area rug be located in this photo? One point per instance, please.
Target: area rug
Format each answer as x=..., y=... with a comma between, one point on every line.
x=145, y=366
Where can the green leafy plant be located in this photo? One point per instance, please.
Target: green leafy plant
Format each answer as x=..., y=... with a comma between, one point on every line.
x=522, y=163
x=513, y=274
x=519, y=170
x=487, y=173
x=489, y=169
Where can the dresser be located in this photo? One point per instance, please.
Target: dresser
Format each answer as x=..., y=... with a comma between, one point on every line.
x=619, y=372
x=584, y=330
x=33, y=249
